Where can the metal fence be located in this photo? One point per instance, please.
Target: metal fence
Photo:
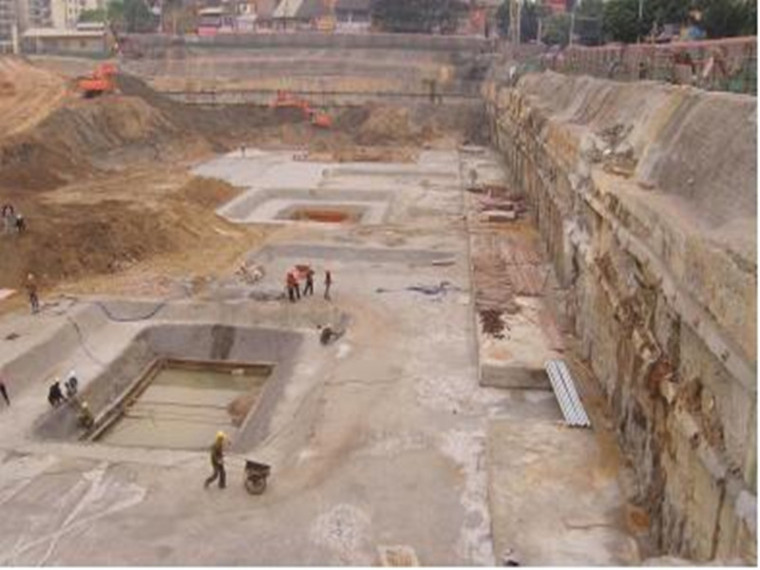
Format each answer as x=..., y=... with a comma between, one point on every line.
x=718, y=65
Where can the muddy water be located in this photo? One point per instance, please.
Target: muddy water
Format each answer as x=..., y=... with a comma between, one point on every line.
x=184, y=408
x=209, y=379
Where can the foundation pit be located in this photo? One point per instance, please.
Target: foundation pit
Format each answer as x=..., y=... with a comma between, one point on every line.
x=324, y=215
x=181, y=404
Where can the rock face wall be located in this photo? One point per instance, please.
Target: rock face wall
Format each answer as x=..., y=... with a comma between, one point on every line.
x=645, y=196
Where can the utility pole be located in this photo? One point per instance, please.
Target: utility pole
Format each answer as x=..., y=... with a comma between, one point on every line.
x=519, y=21
x=641, y=19
x=572, y=27
x=515, y=15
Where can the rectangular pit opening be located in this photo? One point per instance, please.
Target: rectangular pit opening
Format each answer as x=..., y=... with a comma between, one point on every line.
x=181, y=404
x=327, y=214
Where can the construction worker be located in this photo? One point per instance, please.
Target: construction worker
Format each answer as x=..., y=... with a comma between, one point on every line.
x=31, y=289
x=309, y=287
x=4, y=391
x=9, y=218
x=292, y=285
x=85, y=418
x=217, y=461
x=328, y=283
x=296, y=284
x=55, y=396
x=327, y=334
x=71, y=385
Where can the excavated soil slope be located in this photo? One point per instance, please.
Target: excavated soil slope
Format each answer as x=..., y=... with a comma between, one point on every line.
x=102, y=182
x=27, y=95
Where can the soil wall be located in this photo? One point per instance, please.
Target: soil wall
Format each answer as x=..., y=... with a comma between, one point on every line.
x=645, y=196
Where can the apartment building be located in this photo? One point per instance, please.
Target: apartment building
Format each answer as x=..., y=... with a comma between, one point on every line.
x=8, y=23
x=65, y=13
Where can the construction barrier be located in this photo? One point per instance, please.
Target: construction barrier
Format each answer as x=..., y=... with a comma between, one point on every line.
x=728, y=64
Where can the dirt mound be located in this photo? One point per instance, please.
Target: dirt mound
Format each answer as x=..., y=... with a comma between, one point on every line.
x=351, y=118
x=208, y=192
x=77, y=239
x=139, y=125
x=220, y=126
x=76, y=140
x=67, y=240
x=386, y=125
x=27, y=95
x=100, y=181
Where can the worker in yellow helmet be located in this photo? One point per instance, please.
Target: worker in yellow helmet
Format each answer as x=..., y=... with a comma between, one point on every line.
x=217, y=461
x=85, y=417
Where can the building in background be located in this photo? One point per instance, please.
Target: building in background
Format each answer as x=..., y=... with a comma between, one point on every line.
x=35, y=14
x=558, y=6
x=65, y=13
x=65, y=42
x=317, y=15
x=353, y=15
x=8, y=26
x=263, y=10
x=16, y=16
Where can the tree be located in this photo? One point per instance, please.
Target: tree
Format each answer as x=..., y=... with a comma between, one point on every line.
x=130, y=16
x=556, y=29
x=115, y=14
x=589, y=22
x=179, y=17
x=668, y=11
x=417, y=16
x=529, y=16
x=719, y=18
x=138, y=17
x=621, y=20
x=727, y=18
x=96, y=15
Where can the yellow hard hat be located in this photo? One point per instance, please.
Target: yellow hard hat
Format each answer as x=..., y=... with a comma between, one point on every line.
x=220, y=435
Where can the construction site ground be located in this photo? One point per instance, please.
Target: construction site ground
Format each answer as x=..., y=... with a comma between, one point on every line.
x=415, y=434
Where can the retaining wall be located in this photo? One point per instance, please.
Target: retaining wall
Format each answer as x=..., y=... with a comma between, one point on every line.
x=315, y=40
x=645, y=196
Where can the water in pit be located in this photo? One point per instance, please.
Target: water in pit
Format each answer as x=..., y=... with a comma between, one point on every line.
x=184, y=406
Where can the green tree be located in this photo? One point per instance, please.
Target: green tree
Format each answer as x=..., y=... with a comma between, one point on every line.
x=138, y=17
x=417, y=16
x=720, y=18
x=621, y=20
x=727, y=18
x=667, y=11
x=556, y=29
x=96, y=15
x=115, y=14
x=589, y=22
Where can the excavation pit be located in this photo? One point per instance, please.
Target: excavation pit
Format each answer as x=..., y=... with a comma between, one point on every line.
x=333, y=215
x=364, y=207
x=181, y=404
x=186, y=380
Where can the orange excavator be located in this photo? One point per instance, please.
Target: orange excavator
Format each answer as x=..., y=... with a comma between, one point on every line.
x=100, y=81
x=286, y=100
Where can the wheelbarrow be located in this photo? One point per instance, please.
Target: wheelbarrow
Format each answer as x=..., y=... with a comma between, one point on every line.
x=256, y=477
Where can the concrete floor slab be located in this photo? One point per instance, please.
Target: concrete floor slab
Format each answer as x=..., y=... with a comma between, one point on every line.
x=378, y=439
x=554, y=496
